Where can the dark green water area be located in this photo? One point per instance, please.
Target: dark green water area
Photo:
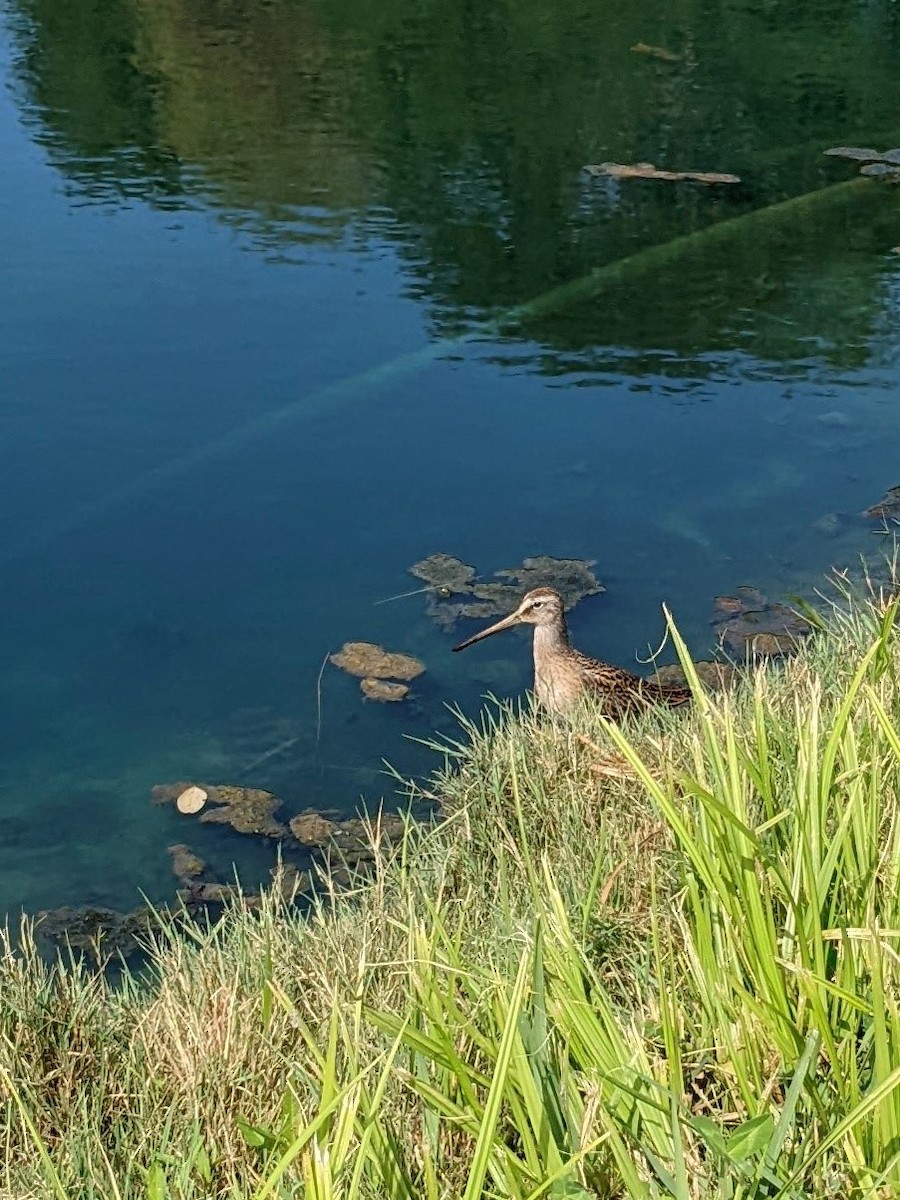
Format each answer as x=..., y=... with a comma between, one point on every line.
x=257, y=359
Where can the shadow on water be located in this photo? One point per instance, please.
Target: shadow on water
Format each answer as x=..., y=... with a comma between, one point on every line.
x=257, y=364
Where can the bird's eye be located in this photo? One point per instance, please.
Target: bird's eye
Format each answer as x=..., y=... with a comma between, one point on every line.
x=536, y=603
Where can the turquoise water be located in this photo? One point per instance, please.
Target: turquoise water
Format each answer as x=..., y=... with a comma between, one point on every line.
x=250, y=261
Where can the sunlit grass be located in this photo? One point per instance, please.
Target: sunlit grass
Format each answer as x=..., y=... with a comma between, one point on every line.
x=655, y=961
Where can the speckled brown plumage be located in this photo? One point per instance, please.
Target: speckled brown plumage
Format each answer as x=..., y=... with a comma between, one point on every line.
x=563, y=675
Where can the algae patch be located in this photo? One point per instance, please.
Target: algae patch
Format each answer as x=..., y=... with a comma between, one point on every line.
x=458, y=593
x=368, y=661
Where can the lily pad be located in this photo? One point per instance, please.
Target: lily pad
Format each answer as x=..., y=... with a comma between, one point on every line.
x=369, y=661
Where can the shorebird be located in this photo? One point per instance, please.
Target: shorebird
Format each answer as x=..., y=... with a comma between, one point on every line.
x=563, y=675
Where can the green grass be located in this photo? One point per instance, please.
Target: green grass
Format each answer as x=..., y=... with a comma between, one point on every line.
x=651, y=961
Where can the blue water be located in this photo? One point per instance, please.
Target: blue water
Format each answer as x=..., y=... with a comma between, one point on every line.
x=206, y=485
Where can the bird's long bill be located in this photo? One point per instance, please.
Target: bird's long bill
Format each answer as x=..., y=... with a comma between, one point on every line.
x=506, y=623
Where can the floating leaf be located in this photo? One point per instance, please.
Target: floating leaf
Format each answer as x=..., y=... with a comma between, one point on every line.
x=659, y=52
x=191, y=800
x=880, y=170
x=649, y=171
x=859, y=153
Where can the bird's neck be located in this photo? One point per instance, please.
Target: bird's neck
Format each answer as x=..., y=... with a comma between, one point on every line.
x=550, y=639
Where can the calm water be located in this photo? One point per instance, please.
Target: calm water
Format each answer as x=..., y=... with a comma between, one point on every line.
x=249, y=256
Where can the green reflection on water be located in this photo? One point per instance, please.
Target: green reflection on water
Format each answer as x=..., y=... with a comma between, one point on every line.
x=461, y=131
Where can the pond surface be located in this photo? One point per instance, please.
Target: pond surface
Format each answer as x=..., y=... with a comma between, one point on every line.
x=253, y=256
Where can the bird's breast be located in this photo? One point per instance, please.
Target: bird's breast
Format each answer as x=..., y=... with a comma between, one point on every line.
x=557, y=683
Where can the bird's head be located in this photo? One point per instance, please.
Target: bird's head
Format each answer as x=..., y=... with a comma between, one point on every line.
x=541, y=606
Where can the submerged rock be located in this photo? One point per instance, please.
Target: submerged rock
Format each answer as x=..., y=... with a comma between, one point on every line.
x=383, y=690
x=836, y=419
x=717, y=676
x=750, y=625
x=726, y=605
x=310, y=828
x=198, y=893
x=290, y=881
x=348, y=847
x=167, y=793
x=369, y=661
x=353, y=838
x=186, y=865
x=829, y=524
x=103, y=933
x=888, y=506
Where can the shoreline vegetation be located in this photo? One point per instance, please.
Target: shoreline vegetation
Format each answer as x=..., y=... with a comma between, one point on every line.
x=655, y=960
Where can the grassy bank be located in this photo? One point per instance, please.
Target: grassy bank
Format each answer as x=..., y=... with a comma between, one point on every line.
x=661, y=961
